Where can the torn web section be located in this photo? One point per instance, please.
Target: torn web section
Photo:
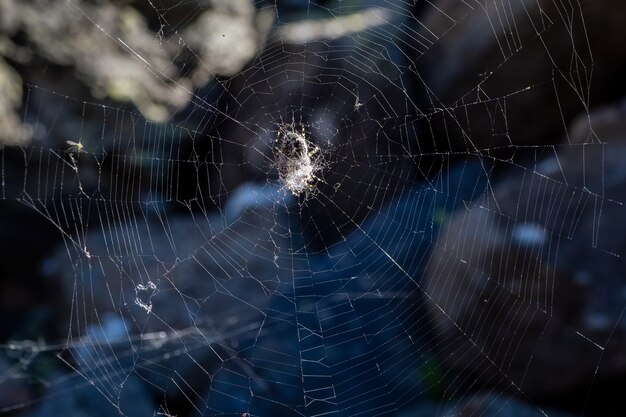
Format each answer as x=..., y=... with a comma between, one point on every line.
x=346, y=328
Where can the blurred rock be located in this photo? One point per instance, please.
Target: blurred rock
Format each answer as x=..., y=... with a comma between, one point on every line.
x=110, y=46
x=511, y=74
x=186, y=294
x=483, y=405
x=13, y=385
x=334, y=26
x=226, y=38
x=75, y=396
x=12, y=132
x=117, y=54
x=527, y=286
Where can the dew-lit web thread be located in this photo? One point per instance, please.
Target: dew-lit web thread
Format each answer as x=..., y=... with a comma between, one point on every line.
x=65, y=212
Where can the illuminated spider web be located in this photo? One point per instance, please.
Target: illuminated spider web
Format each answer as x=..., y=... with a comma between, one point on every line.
x=198, y=283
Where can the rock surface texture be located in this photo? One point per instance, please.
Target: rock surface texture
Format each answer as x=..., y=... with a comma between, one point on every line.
x=527, y=286
x=509, y=73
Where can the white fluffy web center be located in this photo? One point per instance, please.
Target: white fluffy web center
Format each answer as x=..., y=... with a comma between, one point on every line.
x=299, y=161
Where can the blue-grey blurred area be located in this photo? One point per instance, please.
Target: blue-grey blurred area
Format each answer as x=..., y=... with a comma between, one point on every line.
x=454, y=245
x=343, y=327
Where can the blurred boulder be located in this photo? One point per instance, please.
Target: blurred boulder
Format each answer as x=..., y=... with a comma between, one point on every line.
x=484, y=404
x=527, y=287
x=13, y=385
x=504, y=74
x=12, y=132
x=75, y=396
x=117, y=53
x=172, y=298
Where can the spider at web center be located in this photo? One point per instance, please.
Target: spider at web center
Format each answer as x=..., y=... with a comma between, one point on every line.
x=297, y=159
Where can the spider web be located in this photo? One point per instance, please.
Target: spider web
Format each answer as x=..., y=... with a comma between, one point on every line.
x=196, y=283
